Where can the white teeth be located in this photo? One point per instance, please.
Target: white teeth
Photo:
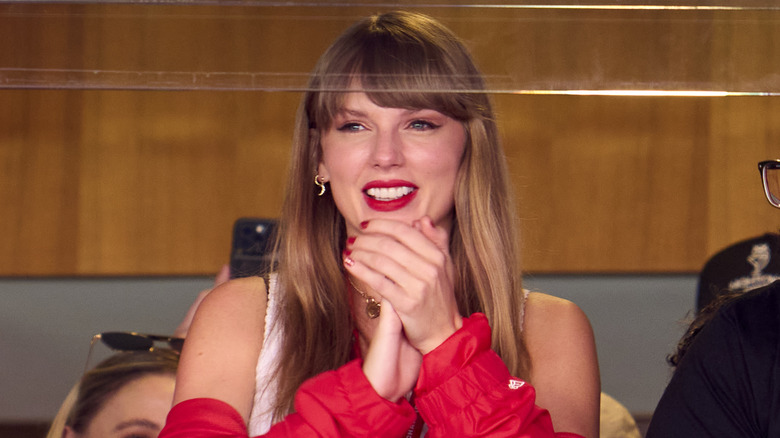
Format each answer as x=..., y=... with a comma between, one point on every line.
x=388, y=193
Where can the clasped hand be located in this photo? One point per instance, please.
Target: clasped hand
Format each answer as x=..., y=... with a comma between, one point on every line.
x=410, y=269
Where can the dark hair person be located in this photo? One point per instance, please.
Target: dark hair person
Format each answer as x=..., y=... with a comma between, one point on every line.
x=727, y=371
x=398, y=288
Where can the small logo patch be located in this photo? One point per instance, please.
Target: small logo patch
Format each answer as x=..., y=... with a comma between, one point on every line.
x=515, y=384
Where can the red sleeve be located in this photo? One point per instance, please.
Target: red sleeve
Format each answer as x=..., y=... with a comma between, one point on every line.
x=338, y=403
x=203, y=417
x=465, y=390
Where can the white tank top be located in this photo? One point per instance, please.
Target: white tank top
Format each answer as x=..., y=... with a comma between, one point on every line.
x=260, y=419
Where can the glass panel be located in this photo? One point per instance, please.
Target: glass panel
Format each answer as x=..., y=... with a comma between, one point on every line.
x=712, y=48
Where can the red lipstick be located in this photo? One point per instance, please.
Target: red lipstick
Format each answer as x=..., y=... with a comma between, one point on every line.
x=389, y=195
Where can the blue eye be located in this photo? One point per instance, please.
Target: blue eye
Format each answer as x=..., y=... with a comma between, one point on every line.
x=351, y=127
x=422, y=125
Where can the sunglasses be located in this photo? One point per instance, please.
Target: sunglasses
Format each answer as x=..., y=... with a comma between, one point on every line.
x=770, y=177
x=132, y=341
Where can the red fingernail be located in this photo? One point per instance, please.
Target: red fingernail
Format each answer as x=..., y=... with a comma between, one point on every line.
x=364, y=224
x=346, y=252
x=350, y=240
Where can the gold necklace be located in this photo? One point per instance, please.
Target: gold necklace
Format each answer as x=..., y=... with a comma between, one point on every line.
x=372, y=306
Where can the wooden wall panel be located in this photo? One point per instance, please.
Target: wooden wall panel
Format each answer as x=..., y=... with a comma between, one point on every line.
x=113, y=182
x=605, y=184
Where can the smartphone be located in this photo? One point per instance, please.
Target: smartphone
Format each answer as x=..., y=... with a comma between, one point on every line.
x=253, y=240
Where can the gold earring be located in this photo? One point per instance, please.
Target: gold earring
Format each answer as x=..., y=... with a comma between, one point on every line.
x=319, y=184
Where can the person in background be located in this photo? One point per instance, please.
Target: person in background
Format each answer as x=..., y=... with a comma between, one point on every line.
x=727, y=377
x=128, y=394
x=105, y=381
x=740, y=267
x=397, y=307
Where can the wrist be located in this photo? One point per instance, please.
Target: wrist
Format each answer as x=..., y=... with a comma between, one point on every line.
x=441, y=336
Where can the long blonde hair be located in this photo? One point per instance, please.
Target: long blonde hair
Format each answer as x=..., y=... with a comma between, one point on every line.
x=401, y=60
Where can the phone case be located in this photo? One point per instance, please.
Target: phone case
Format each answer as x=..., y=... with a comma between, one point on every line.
x=253, y=240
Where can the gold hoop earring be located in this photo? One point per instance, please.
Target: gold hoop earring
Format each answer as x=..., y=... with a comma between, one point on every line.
x=319, y=184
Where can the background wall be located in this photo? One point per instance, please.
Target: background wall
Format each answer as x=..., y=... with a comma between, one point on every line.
x=46, y=326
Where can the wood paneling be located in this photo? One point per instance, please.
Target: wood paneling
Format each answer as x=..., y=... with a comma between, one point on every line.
x=123, y=182
x=139, y=182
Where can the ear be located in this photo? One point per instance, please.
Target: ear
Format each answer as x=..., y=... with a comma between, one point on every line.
x=69, y=433
x=322, y=171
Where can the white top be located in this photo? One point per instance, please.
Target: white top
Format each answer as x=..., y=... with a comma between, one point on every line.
x=260, y=419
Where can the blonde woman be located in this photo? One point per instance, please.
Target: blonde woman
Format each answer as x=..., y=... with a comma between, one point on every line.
x=397, y=307
x=126, y=395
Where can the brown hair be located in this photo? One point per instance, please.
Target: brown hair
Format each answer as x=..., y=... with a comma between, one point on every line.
x=402, y=60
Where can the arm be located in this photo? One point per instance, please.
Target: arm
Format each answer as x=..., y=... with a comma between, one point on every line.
x=223, y=345
x=334, y=404
x=184, y=326
x=466, y=390
x=216, y=380
x=564, y=363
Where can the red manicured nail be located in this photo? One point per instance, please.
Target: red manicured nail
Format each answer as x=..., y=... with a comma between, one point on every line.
x=364, y=224
x=350, y=240
x=347, y=252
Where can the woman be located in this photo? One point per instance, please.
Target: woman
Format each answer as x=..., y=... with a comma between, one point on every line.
x=390, y=270
x=126, y=395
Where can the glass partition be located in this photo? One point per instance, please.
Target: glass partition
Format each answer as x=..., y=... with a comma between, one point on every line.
x=708, y=48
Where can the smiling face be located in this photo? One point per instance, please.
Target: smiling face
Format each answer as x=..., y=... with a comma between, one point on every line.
x=137, y=410
x=391, y=162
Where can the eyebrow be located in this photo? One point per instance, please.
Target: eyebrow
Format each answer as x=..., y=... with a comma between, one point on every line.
x=346, y=111
x=137, y=422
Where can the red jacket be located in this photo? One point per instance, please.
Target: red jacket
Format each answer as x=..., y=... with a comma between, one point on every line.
x=464, y=390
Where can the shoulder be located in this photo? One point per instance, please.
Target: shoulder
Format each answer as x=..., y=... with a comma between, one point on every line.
x=232, y=305
x=556, y=329
x=713, y=382
x=223, y=345
x=249, y=291
x=235, y=309
x=564, y=363
x=764, y=299
x=751, y=318
x=546, y=315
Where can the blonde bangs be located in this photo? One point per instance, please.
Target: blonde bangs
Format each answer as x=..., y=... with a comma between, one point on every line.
x=398, y=63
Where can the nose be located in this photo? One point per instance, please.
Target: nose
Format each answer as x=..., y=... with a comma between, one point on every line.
x=387, y=149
